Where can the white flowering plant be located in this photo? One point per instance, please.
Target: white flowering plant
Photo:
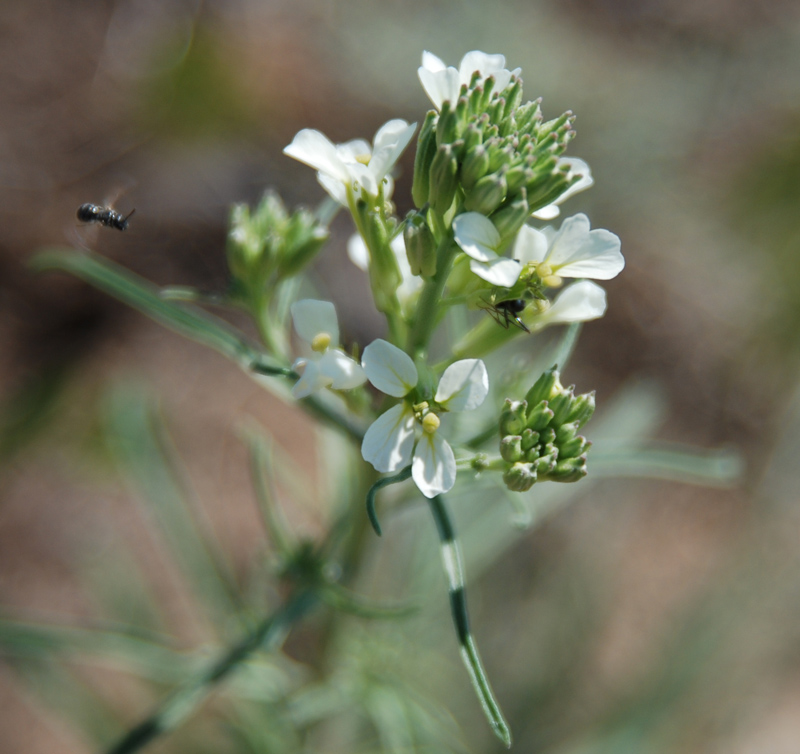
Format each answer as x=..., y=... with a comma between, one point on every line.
x=472, y=261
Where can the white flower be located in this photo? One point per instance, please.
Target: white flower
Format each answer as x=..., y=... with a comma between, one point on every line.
x=577, y=167
x=389, y=443
x=354, y=165
x=326, y=365
x=410, y=284
x=573, y=252
x=479, y=240
x=443, y=83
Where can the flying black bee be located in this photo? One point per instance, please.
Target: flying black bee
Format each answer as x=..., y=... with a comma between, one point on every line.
x=92, y=213
x=507, y=312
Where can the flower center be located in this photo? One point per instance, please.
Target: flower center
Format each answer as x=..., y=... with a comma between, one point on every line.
x=320, y=342
x=364, y=158
x=548, y=276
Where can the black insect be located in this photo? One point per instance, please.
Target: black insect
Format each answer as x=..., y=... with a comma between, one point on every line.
x=92, y=213
x=507, y=312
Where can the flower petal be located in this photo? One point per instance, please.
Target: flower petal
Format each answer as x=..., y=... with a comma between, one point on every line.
x=530, y=245
x=388, y=442
x=476, y=235
x=501, y=272
x=441, y=85
x=336, y=188
x=579, y=302
x=388, y=368
x=576, y=167
x=313, y=317
x=464, y=385
x=355, y=150
x=315, y=149
x=390, y=141
x=344, y=372
x=357, y=251
x=434, y=466
x=311, y=380
x=577, y=252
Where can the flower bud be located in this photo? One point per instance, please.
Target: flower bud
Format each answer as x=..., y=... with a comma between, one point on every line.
x=529, y=439
x=512, y=417
x=420, y=245
x=426, y=149
x=561, y=405
x=574, y=447
x=511, y=448
x=474, y=167
x=472, y=138
x=510, y=218
x=487, y=194
x=443, y=182
x=566, y=432
x=544, y=465
x=544, y=388
x=528, y=116
x=539, y=416
x=547, y=436
x=582, y=409
x=568, y=470
x=447, y=125
x=520, y=477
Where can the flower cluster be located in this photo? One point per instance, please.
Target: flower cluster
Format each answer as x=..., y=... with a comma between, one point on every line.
x=539, y=435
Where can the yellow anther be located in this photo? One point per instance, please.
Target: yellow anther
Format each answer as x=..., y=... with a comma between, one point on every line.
x=552, y=281
x=430, y=423
x=320, y=342
x=419, y=408
x=544, y=270
x=364, y=158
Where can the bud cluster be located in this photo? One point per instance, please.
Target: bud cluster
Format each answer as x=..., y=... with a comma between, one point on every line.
x=493, y=153
x=540, y=439
x=268, y=245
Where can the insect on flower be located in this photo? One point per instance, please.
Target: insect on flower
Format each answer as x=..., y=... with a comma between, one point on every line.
x=507, y=312
x=92, y=213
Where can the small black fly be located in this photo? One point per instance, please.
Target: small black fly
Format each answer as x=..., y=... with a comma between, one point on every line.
x=92, y=213
x=507, y=312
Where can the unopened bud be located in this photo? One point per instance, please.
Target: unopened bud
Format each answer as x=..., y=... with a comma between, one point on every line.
x=420, y=245
x=544, y=465
x=566, y=432
x=426, y=149
x=511, y=448
x=582, y=409
x=539, y=416
x=544, y=388
x=443, y=181
x=510, y=218
x=487, y=194
x=520, y=477
x=561, y=405
x=447, y=125
x=529, y=439
x=512, y=417
x=573, y=448
x=474, y=167
x=568, y=470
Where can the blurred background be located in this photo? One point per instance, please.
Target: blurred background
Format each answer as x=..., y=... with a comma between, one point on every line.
x=649, y=616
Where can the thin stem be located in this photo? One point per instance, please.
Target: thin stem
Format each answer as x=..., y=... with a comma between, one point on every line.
x=186, y=699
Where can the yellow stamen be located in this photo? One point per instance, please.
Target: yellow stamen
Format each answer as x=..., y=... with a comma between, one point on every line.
x=320, y=342
x=552, y=281
x=430, y=423
x=544, y=270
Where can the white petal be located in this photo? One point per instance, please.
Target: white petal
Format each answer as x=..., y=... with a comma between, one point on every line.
x=389, y=440
x=410, y=284
x=356, y=150
x=576, y=167
x=440, y=86
x=434, y=465
x=315, y=149
x=464, y=385
x=390, y=141
x=388, y=368
x=357, y=251
x=501, y=272
x=311, y=380
x=431, y=63
x=579, y=302
x=476, y=235
x=334, y=187
x=313, y=317
x=344, y=372
x=484, y=63
x=577, y=252
x=549, y=212
x=530, y=245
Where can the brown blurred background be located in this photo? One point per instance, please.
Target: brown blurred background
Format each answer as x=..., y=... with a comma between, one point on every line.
x=687, y=113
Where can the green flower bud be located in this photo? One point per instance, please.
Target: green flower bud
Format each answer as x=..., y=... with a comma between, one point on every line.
x=520, y=477
x=426, y=149
x=544, y=465
x=472, y=138
x=528, y=439
x=533, y=454
x=568, y=470
x=384, y=274
x=561, y=405
x=447, y=126
x=487, y=194
x=511, y=448
x=574, y=447
x=528, y=116
x=512, y=417
x=420, y=245
x=511, y=217
x=539, y=416
x=474, y=167
x=582, y=409
x=544, y=388
x=443, y=182
x=513, y=97
x=566, y=432
x=547, y=436
x=517, y=177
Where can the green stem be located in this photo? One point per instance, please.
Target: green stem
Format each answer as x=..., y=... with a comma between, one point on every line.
x=186, y=699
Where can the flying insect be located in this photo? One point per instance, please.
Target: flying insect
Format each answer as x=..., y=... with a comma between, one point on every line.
x=92, y=213
x=507, y=312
